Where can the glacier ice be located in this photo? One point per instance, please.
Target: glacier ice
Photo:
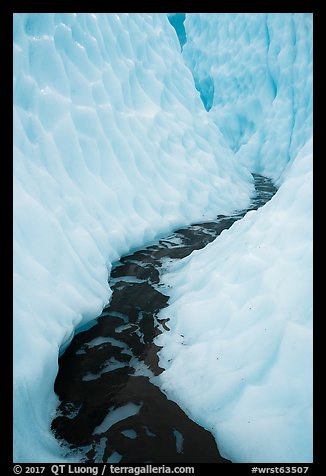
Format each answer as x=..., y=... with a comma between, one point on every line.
x=251, y=73
x=243, y=305
x=239, y=351
x=120, y=136
x=116, y=415
x=112, y=147
x=177, y=21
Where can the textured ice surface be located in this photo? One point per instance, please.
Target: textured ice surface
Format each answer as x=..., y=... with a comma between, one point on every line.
x=239, y=352
x=251, y=72
x=112, y=147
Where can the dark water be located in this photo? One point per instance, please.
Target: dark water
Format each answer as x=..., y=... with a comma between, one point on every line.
x=110, y=408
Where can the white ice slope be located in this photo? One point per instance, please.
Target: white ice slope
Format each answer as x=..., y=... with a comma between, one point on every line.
x=112, y=147
x=239, y=353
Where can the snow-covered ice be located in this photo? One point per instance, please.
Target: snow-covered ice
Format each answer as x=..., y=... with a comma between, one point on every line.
x=113, y=147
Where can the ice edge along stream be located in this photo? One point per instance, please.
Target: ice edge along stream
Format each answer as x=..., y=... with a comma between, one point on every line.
x=112, y=409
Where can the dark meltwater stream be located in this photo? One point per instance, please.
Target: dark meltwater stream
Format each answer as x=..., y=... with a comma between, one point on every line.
x=111, y=408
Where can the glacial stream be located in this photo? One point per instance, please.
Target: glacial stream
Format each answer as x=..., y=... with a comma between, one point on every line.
x=112, y=409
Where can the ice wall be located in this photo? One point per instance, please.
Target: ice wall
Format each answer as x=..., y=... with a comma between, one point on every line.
x=112, y=147
x=251, y=72
x=239, y=352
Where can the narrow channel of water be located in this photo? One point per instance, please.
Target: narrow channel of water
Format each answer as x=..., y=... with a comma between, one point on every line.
x=111, y=409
